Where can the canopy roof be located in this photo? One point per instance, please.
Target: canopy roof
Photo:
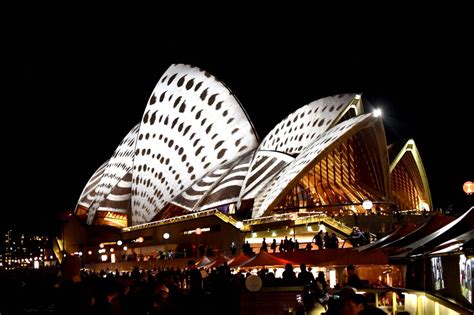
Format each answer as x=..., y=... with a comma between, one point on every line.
x=239, y=260
x=395, y=235
x=221, y=259
x=427, y=227
x=203, y=262
x=265, y=259
x=463, y=224
x=455, y=244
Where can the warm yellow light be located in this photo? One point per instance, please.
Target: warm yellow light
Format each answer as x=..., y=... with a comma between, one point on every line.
x=377, y=112
x=468, y=187
x=239, y=224
x=166, y=236
x=119, y=242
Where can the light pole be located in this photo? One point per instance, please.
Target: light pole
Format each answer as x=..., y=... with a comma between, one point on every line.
x=198, y=232
x=367, y=205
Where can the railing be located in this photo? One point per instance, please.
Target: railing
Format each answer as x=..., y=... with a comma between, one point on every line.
x=191, y=216
x=411, y=301
x=419, y=302
x=283, y=216
x=300, y=218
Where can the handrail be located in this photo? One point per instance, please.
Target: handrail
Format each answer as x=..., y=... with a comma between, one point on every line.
x=301, y=218
x=200, y=214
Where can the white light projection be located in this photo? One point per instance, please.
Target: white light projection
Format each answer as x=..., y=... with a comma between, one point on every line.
x=194, y=193
x=291, y=136
x=118, y=166
x=216, y=187
x=275, y=190
x=228, y=189
x=265, y=165
x=301, y=127
x=88, y=194
x=118, y=200
x=192, y=124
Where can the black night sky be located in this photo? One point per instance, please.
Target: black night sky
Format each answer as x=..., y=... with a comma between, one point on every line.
x=81, y=94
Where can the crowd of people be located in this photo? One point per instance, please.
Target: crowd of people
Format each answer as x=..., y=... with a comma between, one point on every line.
x=322, y=241
x=326, y=240
x=167, y=291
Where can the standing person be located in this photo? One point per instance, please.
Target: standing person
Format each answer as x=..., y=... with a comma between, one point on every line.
x=246, y=248
x=322, y=279
x=305, y=277
x=353, y=279
x=334, y=241
x=327, y=240
x=318, y=239
x=282, y=246
x=291, y=245
x=273, y=246
x=194, y=279
x=288, y=275
x=296, y=245
x=264, y=246
x=233, y=248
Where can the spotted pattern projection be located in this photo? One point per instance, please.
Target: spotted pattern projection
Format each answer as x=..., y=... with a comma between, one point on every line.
x=228, y=189
x=191, y=125
x=264, y=166
x=274, y=190
x=119, y=198
x=88, y=194
x=118, y=166
x=293, y=134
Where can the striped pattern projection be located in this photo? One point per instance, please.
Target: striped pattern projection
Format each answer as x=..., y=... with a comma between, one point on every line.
x=189, y=198
x=228, y=189
x=88, y=194
x=118, y=200
x=293, y=134
x=264, y=166
x=192, y=124
x=275, y=190
x=118, y=166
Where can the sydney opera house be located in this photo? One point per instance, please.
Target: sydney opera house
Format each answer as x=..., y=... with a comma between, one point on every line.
x=195, y=170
